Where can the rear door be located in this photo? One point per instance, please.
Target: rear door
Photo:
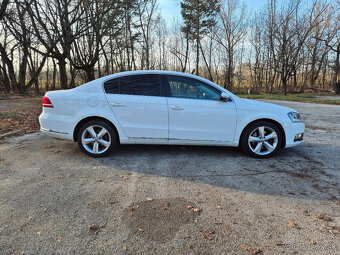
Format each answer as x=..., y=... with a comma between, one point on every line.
x=196, y=112
x=137, y=103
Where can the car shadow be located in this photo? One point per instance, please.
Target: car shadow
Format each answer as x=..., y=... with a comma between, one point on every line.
x=294, y=172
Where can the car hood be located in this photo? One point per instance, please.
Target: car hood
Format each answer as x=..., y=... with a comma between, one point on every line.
x=263, y=106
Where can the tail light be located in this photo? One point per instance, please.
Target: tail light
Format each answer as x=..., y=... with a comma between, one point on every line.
x=47, y=102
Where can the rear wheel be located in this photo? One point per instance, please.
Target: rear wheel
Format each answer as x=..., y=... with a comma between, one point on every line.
x=261, y=139
x=97, y=138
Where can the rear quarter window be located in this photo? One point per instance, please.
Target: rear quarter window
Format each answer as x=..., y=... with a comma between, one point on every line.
x=143, y=85
x=112, y=86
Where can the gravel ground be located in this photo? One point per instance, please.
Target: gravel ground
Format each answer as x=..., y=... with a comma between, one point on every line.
x=173, y=199
x=329, y=97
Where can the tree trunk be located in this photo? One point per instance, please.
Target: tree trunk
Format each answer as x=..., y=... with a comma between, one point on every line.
x=284, y=84
x=4, y=80
x=90, y=73
x=337, y=70
x=10, y=67
x=54, y=75
x=47, y=85
x=197, y=53
x=22, y=70
x=62, y=73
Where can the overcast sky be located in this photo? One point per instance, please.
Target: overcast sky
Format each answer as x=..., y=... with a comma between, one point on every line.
x=172, y=8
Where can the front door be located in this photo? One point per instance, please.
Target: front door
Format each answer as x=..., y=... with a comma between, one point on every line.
x=196, y=112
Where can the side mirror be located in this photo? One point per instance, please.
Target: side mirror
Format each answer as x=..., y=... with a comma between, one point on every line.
x=224, y=96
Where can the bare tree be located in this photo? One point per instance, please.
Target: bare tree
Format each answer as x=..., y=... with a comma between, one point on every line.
x=53, y=23
x=231, y=30
x=98, y=18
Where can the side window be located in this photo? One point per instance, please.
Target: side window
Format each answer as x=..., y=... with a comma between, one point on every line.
x=191, y=88
x=146, y=85
x=112, y=86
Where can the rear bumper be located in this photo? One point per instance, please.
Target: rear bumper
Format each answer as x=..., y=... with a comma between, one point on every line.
x=56, y=134
x=291, y=130
x=56, y=126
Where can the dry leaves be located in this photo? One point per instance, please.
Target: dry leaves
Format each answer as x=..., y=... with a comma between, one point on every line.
x=255, y=251
x=293, y=225
x=165, y=206
x=193, y=209
x=335, y=230
x=244, y=248
x=133, y=208
x=322, y=216
x=305, y=213
x=209, y=234
x=25, y=118
x=280, y=243
x=93, y=229
x=312, y=242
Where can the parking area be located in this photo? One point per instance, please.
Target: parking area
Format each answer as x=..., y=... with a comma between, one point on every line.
x=173, y=199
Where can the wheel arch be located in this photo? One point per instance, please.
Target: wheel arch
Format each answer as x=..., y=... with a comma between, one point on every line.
x=276, y=123
x=83, y=121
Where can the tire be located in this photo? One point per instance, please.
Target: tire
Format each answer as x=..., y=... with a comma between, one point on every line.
x=97, y=138
x=261, y=139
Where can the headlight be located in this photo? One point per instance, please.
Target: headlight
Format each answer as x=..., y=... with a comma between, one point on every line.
x=295, y=117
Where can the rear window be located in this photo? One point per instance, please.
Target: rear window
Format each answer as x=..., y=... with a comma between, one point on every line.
x=143, y=85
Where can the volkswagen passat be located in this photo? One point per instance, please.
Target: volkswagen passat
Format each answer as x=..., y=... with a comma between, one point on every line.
x=160, y=107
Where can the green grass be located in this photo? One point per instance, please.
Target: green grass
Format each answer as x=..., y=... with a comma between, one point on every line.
x=292, y=97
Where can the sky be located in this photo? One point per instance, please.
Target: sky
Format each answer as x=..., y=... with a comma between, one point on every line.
x=171, y=8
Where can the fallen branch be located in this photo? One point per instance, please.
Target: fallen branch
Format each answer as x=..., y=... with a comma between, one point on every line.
x=10, y=133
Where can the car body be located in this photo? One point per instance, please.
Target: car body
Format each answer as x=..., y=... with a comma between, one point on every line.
x=163, y=107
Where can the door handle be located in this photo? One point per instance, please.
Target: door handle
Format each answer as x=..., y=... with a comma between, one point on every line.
x=177, y=108
x=117, y=104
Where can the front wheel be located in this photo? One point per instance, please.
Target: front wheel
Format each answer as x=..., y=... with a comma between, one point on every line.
x=261, y=139
x=97, y=138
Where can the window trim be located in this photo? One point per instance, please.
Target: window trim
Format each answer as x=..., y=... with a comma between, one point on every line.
x=168, y=88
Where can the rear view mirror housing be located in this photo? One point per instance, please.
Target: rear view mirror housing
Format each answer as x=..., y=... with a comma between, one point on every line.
x=224, y=96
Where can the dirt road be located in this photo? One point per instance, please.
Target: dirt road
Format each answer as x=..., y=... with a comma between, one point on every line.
x=173, y=199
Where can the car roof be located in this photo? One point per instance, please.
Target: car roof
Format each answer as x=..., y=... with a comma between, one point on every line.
x=127, y=73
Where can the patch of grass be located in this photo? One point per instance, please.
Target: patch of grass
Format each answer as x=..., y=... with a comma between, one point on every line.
x=292, y=97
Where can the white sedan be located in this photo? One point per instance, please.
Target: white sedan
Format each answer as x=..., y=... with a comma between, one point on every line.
x=160, y=107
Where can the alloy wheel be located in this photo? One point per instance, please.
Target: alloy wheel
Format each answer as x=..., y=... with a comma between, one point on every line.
x=96, y=139
x=263, y=140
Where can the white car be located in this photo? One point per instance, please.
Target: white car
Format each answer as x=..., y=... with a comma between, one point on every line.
x=161, y=107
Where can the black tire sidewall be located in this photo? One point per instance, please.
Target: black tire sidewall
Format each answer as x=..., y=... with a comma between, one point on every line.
x=250, y=128
x=108, y=127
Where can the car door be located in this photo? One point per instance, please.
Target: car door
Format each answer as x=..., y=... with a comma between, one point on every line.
x=137, y=104
x=197, y=113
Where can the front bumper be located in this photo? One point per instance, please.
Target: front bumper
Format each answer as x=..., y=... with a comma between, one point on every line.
x=292, y=130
